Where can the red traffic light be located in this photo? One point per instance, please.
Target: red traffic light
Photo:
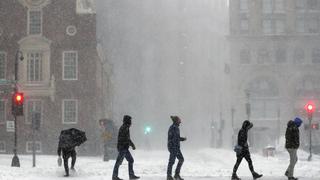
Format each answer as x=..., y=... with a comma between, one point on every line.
x=310, y=107
x=18, y=98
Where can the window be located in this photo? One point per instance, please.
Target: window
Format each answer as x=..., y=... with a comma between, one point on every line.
x=267, y=6
x=279, y=5
x=33, y=106
x=3, y=62
x=298, y=56
x=267, y=26
x=300, y=5
x=300, y=25
x=316, y=55
x=35, y=21
x=2, y=146
x=70, y=65
x=312, y=26
x=245, y=57
x=244, y=25
x=244, y=5
x=280, y=26
x=2, y=111
x=34, y=66
x=281, y=56
x=29, y=146
x=263, y=56
x=70, y=111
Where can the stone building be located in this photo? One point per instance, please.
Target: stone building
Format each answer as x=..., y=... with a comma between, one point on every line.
x=274, y=64
x=61, y=74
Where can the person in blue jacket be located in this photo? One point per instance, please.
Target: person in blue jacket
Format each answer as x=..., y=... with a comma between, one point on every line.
x=174, y=148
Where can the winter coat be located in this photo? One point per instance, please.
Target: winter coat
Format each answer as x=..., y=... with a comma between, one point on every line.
x=124, y=141
x=292, y=136
x=174, y=138
x=243, y=135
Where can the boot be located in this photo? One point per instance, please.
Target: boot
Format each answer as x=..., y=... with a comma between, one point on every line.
x=134, y=177
x=116, y=178
x=286, y=173
x=235, y=177
x=177, y=177
x=256, y=175
x=292, y=178
x=169, y=178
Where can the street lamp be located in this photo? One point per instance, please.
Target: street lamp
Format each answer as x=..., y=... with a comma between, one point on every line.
x=15, y=160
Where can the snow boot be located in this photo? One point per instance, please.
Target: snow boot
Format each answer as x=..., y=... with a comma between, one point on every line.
x=256, y=175
x=235, y=177
x=134, y=177
x=177, y=177
x=170, y=178
x=116, y=178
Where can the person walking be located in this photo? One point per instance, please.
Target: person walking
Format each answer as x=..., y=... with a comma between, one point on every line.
x=174, y=148
x=66, y=154
x=242, y=150
x=292, y=145
x=124, y=142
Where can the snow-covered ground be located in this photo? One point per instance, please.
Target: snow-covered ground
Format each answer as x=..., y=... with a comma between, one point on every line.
x=151, y=165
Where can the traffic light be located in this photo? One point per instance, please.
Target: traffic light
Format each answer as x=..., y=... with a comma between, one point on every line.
x=17, y=104
x=147, y=130
x=310, y=108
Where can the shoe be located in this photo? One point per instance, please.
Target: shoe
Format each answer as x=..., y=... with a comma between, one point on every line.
x=72, y=169
x=116, y=178
x=292, y=178
x=170, y=178
x=235, y=177
x=177, y=177
x=67, y=175
x=134, y=177
x=286, y=173
x=256, y=175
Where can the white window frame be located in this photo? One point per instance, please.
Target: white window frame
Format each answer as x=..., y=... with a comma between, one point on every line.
x=63, y=111
x=29, y=143
x=5, y=112
x=40, y=70
x=41, y=21
x=27, y=109
x=4, y=145
x=5, y=64
x=76, y=66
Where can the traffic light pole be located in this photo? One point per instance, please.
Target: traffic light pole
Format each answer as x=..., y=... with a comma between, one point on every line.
x=15, y=160
x=310, y=136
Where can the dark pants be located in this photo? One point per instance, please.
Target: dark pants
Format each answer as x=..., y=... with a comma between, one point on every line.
x=244, y=154
x=66, y=157
x=173, y=155
x=123, y=154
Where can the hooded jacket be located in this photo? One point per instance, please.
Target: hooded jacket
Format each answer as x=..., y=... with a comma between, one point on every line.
x=124, y=141
x=292, y=136
x=243, y=134
x=174, y=136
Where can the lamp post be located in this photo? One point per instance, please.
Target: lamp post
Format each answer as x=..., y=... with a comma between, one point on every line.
x=15, y=160
x=310, y=107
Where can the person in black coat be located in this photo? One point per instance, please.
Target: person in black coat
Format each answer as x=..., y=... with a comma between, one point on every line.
x=174, y=148
x=243, y=151
x=66, y=154
x=124, y=142
x=292, y=145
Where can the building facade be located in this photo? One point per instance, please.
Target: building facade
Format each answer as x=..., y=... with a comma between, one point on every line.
x=274, y=64
x=60, y=74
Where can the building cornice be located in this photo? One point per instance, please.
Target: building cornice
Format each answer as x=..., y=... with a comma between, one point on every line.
x=34, y=3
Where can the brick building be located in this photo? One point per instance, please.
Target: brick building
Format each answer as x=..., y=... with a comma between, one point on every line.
x=61, y=74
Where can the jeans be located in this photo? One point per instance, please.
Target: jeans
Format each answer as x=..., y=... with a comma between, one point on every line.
x=123, y=154
x=293, y=161
x=244, y=154
x=173, y=155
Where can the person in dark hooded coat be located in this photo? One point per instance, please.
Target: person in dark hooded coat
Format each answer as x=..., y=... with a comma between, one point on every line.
x=292, y=145
x=174, y=148
x=243, y=151
x=124, y=142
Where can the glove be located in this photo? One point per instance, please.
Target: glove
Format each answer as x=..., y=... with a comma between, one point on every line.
x=59, y=161
x=183, y=139
x=133, y=147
